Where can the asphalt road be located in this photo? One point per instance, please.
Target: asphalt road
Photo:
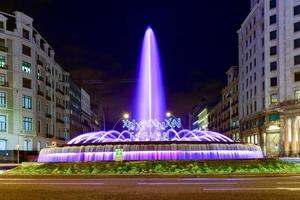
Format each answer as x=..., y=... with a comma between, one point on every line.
x=32, y=188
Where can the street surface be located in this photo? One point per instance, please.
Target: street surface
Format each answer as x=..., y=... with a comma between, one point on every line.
x=35, y=187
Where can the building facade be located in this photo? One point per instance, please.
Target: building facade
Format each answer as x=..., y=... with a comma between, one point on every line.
x=75, y=109
x=34, y=89
x=269, y=68
x=229, y=115
x=86, y=112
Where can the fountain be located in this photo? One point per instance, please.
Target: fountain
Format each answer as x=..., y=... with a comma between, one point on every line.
x=150, y=136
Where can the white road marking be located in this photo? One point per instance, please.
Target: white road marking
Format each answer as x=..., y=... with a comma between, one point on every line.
x=193, y=183
x=53, y=183
x=287, y=183
x=249, y=189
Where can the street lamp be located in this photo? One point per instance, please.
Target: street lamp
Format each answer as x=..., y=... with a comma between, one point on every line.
x=168, y=114
x=124, y=116
x=18, y=153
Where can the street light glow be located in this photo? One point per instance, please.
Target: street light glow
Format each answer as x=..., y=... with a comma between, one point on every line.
x=168, y=114
x=126, y=115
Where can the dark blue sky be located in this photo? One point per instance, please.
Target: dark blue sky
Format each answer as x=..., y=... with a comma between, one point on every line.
x=197, y=38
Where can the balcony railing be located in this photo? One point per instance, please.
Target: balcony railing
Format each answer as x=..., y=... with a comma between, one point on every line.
x=60, y=121
x=3, y=66
x=290, y=102
x=3, y=84
x=39, y=62
x=39, y=77
x=60, y=91
x=61, y=138
x=48, y=97
x=60, y=106
x=48, y=83
x=39, y=92
x=3, y=48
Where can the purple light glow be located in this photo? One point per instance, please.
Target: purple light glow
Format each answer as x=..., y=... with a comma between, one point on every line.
x=152, y=155
x=150, y=94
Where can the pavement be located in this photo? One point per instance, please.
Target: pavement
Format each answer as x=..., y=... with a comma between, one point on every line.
x=81, y=187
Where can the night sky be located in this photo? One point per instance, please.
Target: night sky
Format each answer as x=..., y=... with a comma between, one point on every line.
x=101, y=39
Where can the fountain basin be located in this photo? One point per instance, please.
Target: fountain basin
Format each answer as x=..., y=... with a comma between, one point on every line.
x=138, y=151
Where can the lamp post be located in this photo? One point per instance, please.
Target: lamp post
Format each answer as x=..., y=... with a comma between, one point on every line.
x=18, y=153
x=125, y=116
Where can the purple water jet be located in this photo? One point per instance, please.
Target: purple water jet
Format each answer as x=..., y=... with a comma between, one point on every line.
x=150, y=93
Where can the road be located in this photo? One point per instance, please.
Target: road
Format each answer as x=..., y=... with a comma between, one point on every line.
x=14, y=188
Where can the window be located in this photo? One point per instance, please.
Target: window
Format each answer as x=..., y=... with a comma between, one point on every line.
x=297, y=43
x=297, y=27
x=39, y=126
x=3, y=123
x=272, y=19
x=3, y=80
x=274, y=99
x=26, y=34
x=2, y=62
x=3, y=100
x=26, y=67
x=297, y=10
x=27, y=102
x=26, y=50
x=27, y=145
x=26, y=83
x=3, y=144
x=297, y=76
x=297, y=95
x=27, y=124
x=273, y=66
x=273, y=51
x=297, y=60
x=273, y=81
x=1, y=25
x=272, y=4
x=273, y=35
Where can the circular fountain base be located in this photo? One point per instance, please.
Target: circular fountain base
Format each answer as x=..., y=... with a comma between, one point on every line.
x=151, y=151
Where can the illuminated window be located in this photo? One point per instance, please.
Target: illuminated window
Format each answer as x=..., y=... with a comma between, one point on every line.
x=3, y=123
x=27, y=102
x=2, y=62
x=274, y=99
x=26, y=67
x=297, y=95
x=27, y=145
x=3, y=144
x=3, y=99
x=27, y=123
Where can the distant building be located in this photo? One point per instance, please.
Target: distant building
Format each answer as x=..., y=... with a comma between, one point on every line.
x=214, y=118
x=269, y=84
x=75, y=107
x=85, y=111
x=230, y=94
x=202, y=122
x=34, y=88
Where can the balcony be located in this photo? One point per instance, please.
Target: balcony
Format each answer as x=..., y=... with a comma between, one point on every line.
x=40, y=78
x=3, y=84
x=48, y=83
x=60, y=91
x=39, y=92
x=60, y=121
x=4, y=67
x=39, y=62
x=48, y=97
x=60, y=106
x=48, y=115
x=3, y=48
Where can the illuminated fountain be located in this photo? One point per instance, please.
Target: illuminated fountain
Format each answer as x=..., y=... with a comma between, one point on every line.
x=150, y=136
